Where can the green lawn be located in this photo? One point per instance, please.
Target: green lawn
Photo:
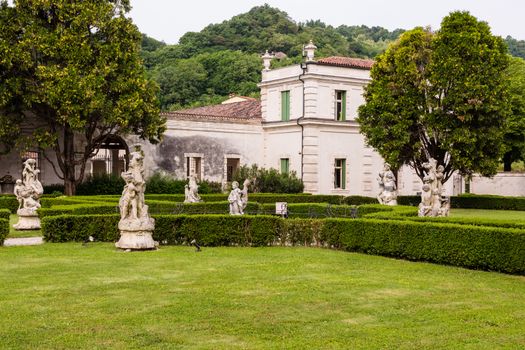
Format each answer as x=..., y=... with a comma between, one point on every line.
x=13, y=219
x=513, y=215
x=65, y=296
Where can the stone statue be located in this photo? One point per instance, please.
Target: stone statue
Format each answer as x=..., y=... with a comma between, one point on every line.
x=135, y=225
x=235, y=198
x=244, y=192
x=191, y=191
x=433, y=203
x=28, y=191
x=387, y=186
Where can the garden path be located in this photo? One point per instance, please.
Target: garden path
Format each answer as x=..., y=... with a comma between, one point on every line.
x=23, y=241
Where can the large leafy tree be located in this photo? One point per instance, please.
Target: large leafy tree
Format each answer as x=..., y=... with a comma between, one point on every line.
x=72, y=75
x=441, y=95
x=515, y=129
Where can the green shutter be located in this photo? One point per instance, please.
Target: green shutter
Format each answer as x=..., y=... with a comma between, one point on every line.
x=343, y=174
x=343, y=107
x=285, y=165
x=285, y=105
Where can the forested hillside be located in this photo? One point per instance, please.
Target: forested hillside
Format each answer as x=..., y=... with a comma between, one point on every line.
x=224, y=58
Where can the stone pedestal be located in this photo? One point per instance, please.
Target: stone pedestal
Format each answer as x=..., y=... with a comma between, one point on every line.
x=136, y=240
x=135, y=234
x=27, y=220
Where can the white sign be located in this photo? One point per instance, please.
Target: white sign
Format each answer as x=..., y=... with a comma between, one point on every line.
x=281, y=208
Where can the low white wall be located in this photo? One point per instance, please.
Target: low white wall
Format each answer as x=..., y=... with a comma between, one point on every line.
x=503, y=184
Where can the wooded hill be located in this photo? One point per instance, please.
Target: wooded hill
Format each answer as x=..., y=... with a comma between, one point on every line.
x=224, y=58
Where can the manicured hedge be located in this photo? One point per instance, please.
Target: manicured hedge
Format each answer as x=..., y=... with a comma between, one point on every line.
x=474, y=201
x=488, y=202
x=78, y=209
x=208, y=230
x=486, y=248
x=67, y=228
x=4, y=230
x=5, y=213
x=9, y=202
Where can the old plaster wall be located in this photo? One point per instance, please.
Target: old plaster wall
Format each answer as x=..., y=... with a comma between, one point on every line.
x=212, y=141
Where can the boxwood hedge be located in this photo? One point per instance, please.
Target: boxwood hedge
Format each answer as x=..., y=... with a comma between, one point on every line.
x=5, y=213
x=4, y=230
x=488, y=248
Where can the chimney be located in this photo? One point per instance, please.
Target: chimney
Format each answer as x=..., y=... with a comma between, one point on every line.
x=267, y=60
x=310, y=50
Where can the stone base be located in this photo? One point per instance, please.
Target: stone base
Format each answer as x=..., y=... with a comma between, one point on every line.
x=136, y=240
x=27, y=223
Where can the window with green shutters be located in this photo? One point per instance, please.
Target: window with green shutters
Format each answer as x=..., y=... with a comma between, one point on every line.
x=340, y=174
x=340, y=105
x=285, y=165
x=285, y=105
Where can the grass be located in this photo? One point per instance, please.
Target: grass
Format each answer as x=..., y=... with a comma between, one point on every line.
x=13, y=219
x=489, y=214
x=62, y=296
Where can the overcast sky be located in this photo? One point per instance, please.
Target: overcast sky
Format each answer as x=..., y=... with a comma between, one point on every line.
x=168, y=20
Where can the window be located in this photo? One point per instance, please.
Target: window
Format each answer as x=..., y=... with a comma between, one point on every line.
x=193, y=167
x=340, y=105
x=232, y=165
x=340, y=174
x=285, y=165
x=285, y=105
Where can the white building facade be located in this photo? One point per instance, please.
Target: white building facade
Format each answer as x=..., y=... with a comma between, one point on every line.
x=305, y=122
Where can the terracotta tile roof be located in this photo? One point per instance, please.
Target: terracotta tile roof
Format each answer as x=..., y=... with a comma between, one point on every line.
x=239, y=112
x=349, y=62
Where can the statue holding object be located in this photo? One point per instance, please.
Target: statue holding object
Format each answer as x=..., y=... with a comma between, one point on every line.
x=433, y=203
x=191, y=191
x=28, y=192
x=387, y=186
x=238, y=198
x=135, y=225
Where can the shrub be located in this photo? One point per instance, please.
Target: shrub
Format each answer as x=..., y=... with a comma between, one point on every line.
x=485, y=248
x=9, y=202
x=5, y=213
x=159, y=183
x=66, y=228
x=469, y=201
x=165, y=184
x=313, y=210
x=4, y=230
x=488, y=248
x=268, y=180
x=474, y=201
x=101, y=184
x=208, y=230
x=57, y=189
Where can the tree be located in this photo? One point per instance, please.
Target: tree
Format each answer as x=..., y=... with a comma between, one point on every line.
x=515, y=129
x=73, y=69
x=441, y=95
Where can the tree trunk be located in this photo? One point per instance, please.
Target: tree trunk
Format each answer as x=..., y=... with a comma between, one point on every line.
x=507, y=162
x=70, y=186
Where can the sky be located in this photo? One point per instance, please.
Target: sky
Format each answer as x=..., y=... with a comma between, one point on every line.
x=168, y=20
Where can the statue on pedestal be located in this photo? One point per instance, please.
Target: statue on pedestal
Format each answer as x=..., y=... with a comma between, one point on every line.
x=387, y=186
x=433, y=203
x=135, y=225
x=238, y=198
x=28, y=192
x=191, y=191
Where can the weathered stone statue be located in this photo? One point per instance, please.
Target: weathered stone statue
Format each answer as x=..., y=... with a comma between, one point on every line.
x=387, y=185
x=238, y=199
x=135, y=225
x=433, y=203
x=28, y=191
x=191, y=191
x=244, y=192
